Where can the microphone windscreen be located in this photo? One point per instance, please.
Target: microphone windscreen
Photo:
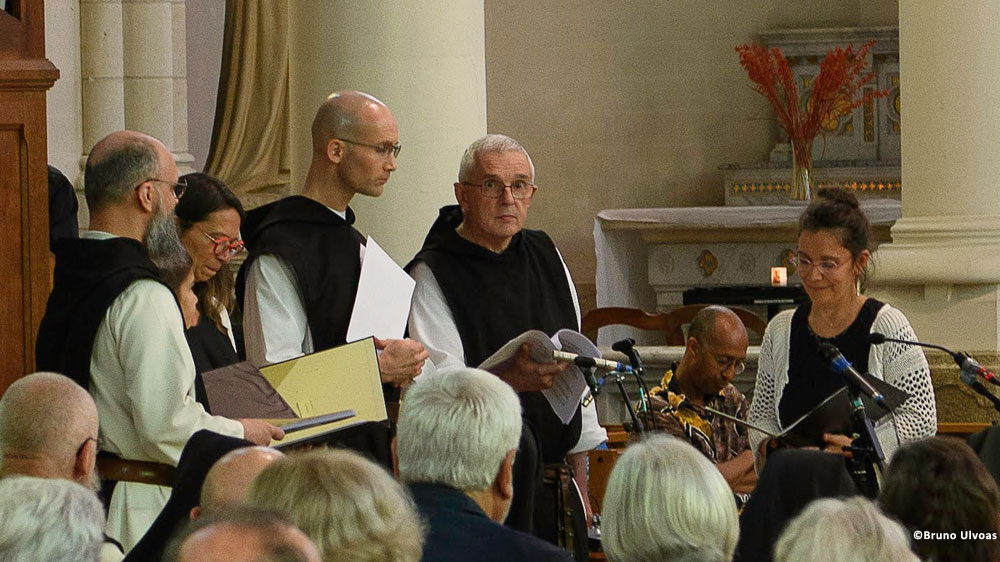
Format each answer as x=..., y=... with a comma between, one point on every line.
x=829, y=351
x=876, y=338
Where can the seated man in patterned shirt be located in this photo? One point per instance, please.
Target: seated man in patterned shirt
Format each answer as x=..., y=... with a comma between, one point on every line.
x=715, y=352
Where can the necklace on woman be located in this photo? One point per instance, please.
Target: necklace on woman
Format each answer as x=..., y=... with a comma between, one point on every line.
x=834, y=323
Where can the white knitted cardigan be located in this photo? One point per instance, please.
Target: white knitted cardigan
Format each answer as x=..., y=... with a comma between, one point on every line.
x=903, y=366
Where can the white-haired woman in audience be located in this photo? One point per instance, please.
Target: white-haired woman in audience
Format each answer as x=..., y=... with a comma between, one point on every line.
x=666, y=502
x=833, y=530
x=49, y=519
x=349, y=506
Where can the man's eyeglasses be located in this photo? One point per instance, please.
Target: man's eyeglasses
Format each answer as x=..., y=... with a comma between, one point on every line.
x=384, y=150
x=826, y=267
x=225, y=247
x=519, y=189
x=178, y=187
x=726, y=363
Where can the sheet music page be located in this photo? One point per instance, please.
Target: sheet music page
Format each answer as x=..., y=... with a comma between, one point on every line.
x=382, y=305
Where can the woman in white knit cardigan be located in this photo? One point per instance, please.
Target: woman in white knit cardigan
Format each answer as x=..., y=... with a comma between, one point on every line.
x=793, y=376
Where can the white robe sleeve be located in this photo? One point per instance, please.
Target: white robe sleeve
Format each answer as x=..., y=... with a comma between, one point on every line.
x=140, y=352
x=275, y=326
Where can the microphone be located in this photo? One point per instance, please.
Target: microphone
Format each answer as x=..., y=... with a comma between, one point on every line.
x=969, y=378
x=962, y=359
x=587, y=365
x=842, y=366
x=590, y=362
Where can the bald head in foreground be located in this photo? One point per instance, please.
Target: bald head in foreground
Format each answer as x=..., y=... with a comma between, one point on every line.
x=305, y=254
x=48, y=429
x=228, y=481
x=242, y=534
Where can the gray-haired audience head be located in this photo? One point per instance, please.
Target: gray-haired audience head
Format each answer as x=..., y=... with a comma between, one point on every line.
x=831, y=530
x=48, y=428
x=242, y=534
x=228, y=481
x=666, y=501
x=490, y=143
x=349, y=506
x=49, y=519
x=458, y=427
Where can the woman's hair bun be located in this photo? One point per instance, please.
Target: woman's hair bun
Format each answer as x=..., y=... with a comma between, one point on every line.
x=839, y=195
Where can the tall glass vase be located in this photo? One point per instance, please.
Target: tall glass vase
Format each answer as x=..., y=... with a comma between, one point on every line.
x=801, y=190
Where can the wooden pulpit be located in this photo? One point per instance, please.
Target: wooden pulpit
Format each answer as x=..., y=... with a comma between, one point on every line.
x=25, y=76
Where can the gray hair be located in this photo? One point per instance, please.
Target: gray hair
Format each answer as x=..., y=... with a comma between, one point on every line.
x=46, y=414
x=49, y=519
x=348, y=505
x=850, y=529
x=456, y=427
x=114, y=171
x=490, y=143
x=666, y=501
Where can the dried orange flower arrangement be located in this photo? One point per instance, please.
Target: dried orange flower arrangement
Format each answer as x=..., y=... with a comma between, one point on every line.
x=843, y=73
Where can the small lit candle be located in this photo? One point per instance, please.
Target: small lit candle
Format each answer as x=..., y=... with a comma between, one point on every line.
x=779, y=277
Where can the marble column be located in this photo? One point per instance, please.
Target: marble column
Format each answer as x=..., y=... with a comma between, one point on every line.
x=426, y=61
x=943, y=265
x=134, y=72
x=101, y=72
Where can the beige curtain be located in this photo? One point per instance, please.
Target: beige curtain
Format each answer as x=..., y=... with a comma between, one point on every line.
x=249, y=149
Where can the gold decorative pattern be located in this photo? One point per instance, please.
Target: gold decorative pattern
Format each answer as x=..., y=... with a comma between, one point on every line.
x=708, y=263
x=768, y=187
x=785, y=260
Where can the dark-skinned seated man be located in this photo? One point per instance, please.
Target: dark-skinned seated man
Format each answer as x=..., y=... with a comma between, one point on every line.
x=483, y=279
x=715, y=352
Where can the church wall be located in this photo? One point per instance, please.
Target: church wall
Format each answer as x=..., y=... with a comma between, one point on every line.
x=635, y=104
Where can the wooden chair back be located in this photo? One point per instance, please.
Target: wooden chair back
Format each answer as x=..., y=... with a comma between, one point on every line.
x=670, y=323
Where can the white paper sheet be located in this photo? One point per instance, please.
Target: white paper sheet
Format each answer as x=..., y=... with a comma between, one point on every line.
x=382, y=305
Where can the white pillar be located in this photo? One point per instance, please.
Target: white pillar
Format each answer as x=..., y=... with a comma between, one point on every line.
x=426, y=61
x=148, y=32
x=943, y=265
x=101, y=69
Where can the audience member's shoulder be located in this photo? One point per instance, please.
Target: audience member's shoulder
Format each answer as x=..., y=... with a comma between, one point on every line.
x=528, y=548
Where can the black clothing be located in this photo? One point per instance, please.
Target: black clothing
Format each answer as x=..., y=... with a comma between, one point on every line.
x=810, y=377
x=89, y=276
x=63, y=207
x=791, y=479
x=496, y=297
x=460, y=531
x=324, y=252
x=210, y=349
x=202, y=451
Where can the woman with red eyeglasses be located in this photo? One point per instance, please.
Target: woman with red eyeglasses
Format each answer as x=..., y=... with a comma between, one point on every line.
x=208, y=220
x=794, y=375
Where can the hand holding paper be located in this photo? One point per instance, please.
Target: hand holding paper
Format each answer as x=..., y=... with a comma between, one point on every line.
x=527, y=374
x=400, y=360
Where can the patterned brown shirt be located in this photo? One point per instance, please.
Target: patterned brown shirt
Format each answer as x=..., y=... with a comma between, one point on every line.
x=716, y=437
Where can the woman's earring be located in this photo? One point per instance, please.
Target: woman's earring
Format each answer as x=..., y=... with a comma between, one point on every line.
x=857, y=286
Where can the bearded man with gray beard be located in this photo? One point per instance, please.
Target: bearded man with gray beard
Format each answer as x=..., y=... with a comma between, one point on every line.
x=113, y=325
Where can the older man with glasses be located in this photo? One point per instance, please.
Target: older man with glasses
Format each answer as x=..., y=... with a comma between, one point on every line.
x=482, y=279
x=714, y=354
x=112, y=324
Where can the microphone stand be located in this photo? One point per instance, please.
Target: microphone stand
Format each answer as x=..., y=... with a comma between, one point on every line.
x=867, y=463
x=626, y=346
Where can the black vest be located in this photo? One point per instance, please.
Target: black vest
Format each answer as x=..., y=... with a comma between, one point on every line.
x=496, y=297
x=89, y=276
x=323, y=251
